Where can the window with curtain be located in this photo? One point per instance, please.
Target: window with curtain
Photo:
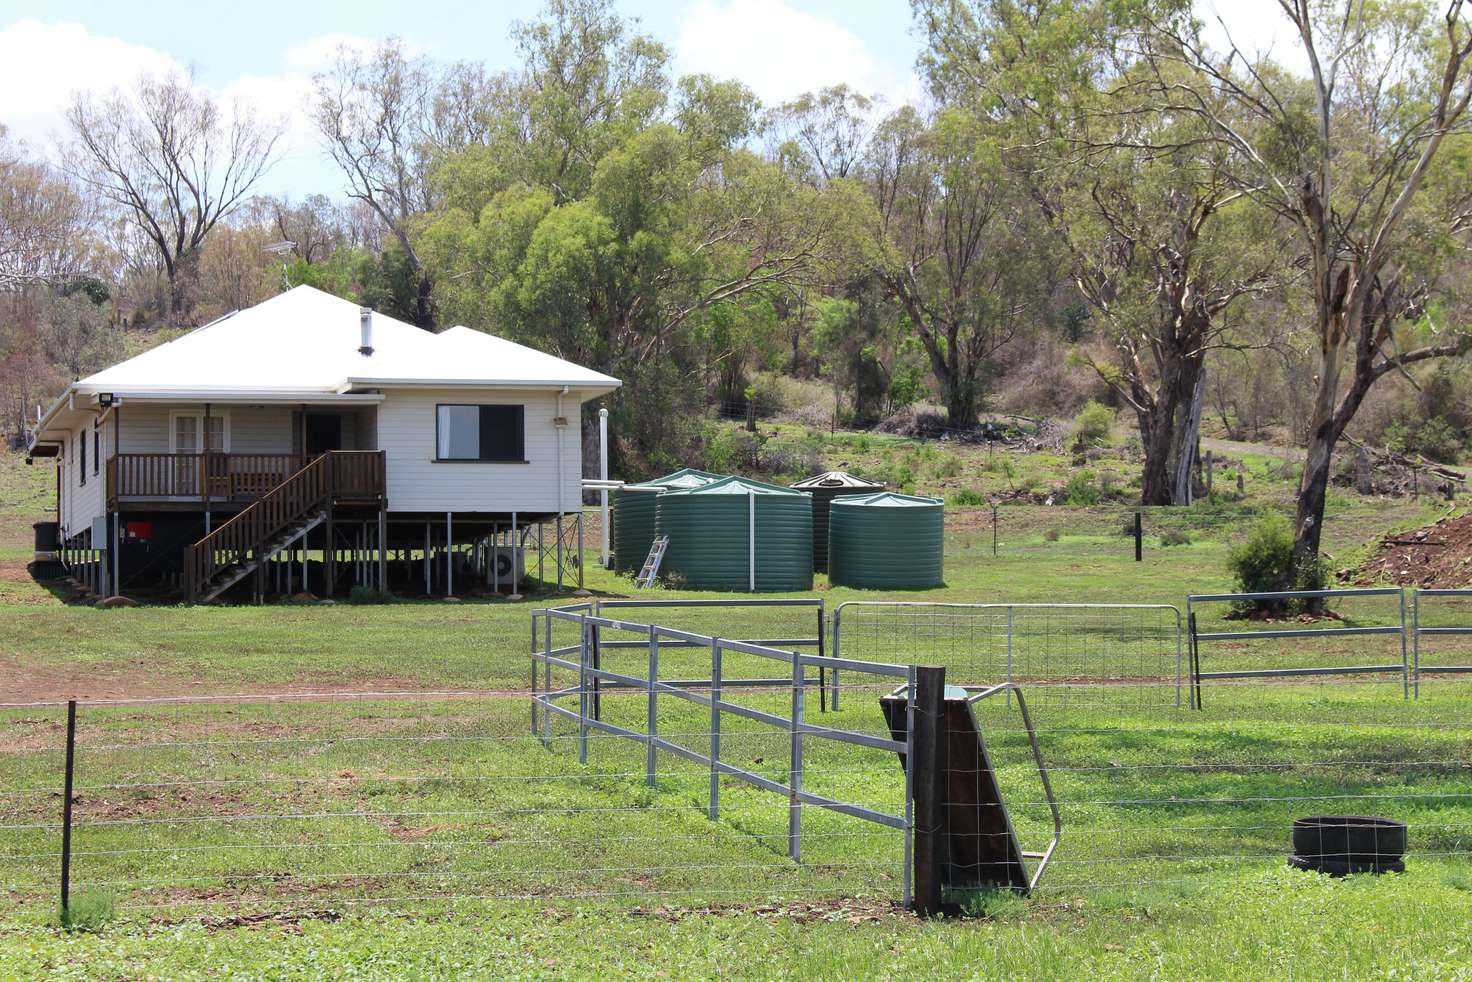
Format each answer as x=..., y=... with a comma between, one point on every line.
x=489, y=433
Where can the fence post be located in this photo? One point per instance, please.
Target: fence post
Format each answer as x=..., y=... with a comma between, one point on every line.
x=837, y=650
x=1196, y=660
x=927, y=765
x=908, y=862
x=1139, y=540
x=1178, y=656
x=536, y=723
x=1416, y=637
x=66, y=809
x=597, y=664
x=715, y=728
x=1405, y=659
x=1009, y=653
x=547, y=683
x=653, y=726
x=794, y=777
x=822, y=672
x=583, y=696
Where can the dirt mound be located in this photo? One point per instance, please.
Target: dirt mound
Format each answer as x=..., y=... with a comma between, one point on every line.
x=1436, y=557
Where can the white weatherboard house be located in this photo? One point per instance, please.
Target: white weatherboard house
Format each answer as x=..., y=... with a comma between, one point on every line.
x=309, y=443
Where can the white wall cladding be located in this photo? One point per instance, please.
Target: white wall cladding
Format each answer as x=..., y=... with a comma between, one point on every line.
x=406, y=431
x=81, y=501
x=253, y=429
x=404, y=428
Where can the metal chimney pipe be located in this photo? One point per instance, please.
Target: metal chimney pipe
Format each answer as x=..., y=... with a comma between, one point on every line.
x=365, y=323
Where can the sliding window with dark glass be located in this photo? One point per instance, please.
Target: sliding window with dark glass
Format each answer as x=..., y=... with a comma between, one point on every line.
x=484, y=433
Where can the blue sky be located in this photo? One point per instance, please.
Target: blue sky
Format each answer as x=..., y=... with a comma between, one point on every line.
x=267, y=56
x=265, y=51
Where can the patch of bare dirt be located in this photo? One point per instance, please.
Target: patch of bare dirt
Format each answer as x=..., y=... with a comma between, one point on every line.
x=135, y=680
x=852, y=910
x=1436, y=557
x=288, y=920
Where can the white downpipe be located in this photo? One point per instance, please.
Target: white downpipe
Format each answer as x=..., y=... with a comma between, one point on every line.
x=751, y=541
x=603, y=476
x=560, y=424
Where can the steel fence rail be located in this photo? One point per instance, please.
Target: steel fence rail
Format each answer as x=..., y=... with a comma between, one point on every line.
x=1418, y=630
x=1403, y=668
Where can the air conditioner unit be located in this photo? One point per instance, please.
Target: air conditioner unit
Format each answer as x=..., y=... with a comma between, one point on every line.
x=508, y=566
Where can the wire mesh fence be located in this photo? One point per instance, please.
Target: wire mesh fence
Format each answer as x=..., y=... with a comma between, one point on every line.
x=235, y=805
x=1119, y=655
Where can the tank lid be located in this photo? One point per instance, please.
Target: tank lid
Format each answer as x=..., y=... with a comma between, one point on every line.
x=685, y=477
x=834, y=479
x=886, y=499
x=737, y=486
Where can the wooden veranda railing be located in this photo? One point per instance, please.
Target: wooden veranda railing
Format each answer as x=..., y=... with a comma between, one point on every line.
x=213, y=476
x=247, y=536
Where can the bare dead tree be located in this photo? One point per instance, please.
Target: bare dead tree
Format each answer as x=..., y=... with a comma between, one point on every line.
x=168, y=158
x=374, y=112
x=44, y=222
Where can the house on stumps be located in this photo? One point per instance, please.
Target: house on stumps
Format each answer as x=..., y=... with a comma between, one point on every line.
x=307, y=444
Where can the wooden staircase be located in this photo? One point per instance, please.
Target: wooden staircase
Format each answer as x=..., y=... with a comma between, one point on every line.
x=279, y=518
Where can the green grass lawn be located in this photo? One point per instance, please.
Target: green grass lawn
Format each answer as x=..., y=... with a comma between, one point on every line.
x=435, y=837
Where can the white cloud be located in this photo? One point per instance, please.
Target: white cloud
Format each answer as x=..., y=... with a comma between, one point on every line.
x=41, y=65
x=315, y=54
x=781, y=52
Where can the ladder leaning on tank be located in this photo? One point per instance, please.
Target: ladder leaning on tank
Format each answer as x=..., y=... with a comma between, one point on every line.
x=650, y=571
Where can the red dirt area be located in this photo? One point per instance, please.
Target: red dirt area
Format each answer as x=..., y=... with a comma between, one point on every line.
x=1436, y=557
x=24, y=684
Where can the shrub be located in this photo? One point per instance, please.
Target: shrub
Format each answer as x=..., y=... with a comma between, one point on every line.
x=1438, y=440
x=946, y=465
x=88, y=910
x=1171, y=537
x=966, y=497
x=1081, y=489
x=1263, y=563
x=369, y=595
x=1093, y=424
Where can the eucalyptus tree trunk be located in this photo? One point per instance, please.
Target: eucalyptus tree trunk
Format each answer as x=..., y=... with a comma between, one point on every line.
x=1184, y=453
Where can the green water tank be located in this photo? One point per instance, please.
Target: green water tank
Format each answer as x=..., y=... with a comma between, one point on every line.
x=634, y=512
x=824, y=488
x=717, y=530
x=886, y=541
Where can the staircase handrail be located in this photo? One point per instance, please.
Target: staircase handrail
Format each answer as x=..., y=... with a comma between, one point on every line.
x=247, y=531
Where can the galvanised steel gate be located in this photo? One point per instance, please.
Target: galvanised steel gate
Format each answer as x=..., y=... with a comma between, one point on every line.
x=799, y=672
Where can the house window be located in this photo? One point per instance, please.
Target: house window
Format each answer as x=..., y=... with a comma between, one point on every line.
x=96, y=450
x=82, y=458
x=184, y=434
x=480, y=433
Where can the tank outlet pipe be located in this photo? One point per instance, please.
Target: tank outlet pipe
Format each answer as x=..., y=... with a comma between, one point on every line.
x=603, y=476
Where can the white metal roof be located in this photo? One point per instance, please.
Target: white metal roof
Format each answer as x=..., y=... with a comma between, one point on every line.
x=305, y=342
